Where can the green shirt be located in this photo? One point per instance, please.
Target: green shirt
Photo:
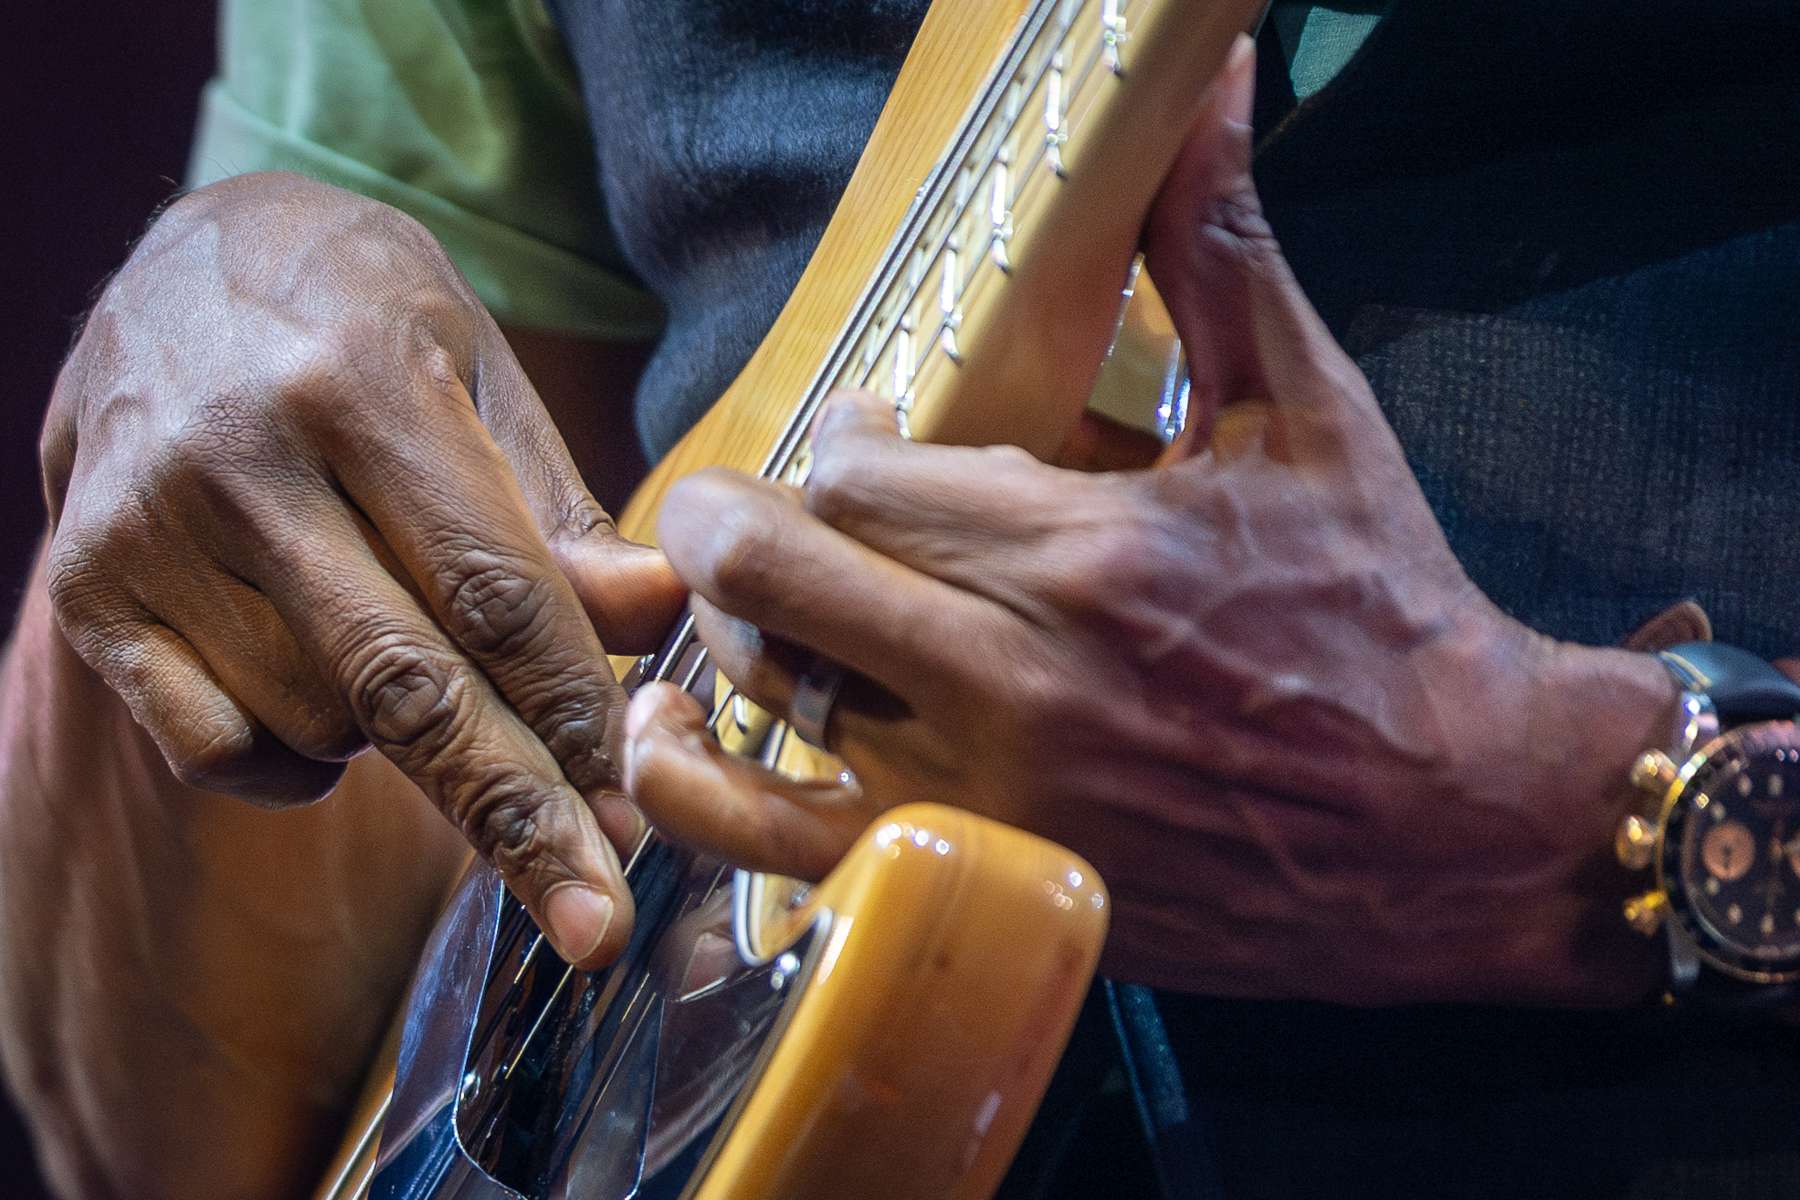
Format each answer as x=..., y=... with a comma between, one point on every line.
x=466, y=115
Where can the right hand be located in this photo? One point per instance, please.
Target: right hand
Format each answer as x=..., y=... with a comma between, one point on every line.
x=305, y=501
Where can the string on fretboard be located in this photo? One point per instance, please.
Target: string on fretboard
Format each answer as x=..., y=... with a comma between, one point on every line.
x=952, y=241
x=956, y=236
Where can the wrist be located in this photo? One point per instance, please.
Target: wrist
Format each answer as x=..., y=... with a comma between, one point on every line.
x=1592, y=712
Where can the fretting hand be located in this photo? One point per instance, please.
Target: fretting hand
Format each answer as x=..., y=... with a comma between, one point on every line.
x=1253, y=686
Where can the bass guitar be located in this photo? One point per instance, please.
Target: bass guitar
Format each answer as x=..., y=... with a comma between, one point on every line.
x=888, y=1032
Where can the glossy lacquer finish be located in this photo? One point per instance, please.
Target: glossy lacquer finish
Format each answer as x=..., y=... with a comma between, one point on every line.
x=939, y=1002
x=895, y=1039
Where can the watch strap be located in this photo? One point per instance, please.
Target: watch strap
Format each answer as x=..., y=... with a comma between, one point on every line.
x=1741, y=686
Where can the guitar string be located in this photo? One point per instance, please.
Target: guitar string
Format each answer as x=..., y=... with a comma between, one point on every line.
x=664, y=663
x=973, y=192
x=999, y=143
x=1109, y=34
x=981, y=269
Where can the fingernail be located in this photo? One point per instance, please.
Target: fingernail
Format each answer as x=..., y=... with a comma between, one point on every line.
x=578, y=916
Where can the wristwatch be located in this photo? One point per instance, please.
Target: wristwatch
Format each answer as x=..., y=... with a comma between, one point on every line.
x=1720, y=825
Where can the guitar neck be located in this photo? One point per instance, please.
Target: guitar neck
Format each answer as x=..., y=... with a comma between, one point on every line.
x=977, y=286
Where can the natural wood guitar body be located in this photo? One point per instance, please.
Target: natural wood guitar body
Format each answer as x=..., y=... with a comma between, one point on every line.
x=950, y=953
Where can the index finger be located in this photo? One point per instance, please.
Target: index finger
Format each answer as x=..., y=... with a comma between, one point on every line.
x=426, y=707
x=444, y=498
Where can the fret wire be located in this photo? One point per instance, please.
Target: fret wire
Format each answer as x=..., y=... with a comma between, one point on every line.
x=778, y=736
x=808, y=407
x=1047, y=56
x=916, y=222
x=693, y=672
x=1072, y=90
x=962, y=207
x=670, y=657
x=1027, y=177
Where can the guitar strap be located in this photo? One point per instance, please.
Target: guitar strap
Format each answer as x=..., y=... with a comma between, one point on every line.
x=1175, y=1121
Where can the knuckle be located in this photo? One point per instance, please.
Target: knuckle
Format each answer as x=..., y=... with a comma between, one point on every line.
x=1042, y=711
x=493, y=609
x=78, y=585
x=332, y=372
x=212, y=452
x=1238, y=215
x=399, y=355
x=837, y=483
x=843, y=414
x=574, y=728
x=56, y=448
x=1006, y=459
x=435, y=370
x=499, y=816
x=744, y=553
x=579, y=517
x=1108, y=563
x=216, y=762
x=407, y=700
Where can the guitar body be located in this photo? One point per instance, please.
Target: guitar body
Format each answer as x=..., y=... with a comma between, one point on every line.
x=889, y=1032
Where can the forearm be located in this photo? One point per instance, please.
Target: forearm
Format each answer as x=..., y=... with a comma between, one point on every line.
x=189, y=986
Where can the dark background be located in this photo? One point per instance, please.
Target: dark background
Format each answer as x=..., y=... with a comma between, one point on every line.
x=99, y=102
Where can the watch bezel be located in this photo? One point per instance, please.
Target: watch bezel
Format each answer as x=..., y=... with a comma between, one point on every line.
x=1684, y=922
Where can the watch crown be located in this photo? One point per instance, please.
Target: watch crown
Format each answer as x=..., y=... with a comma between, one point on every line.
x=1645, y=913
x=1654, y=772
x=1636, y=842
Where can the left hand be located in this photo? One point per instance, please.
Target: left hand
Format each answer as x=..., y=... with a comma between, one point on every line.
x=1253, y=685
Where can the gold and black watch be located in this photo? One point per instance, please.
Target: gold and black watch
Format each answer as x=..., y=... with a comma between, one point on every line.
x=1720, y=827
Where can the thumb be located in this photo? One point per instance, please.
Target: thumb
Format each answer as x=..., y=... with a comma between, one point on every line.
x=693, y=790
x=628, y=590
x=1249, y=331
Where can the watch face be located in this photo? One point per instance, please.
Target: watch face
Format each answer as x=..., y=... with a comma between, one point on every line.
x=1732, y=853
